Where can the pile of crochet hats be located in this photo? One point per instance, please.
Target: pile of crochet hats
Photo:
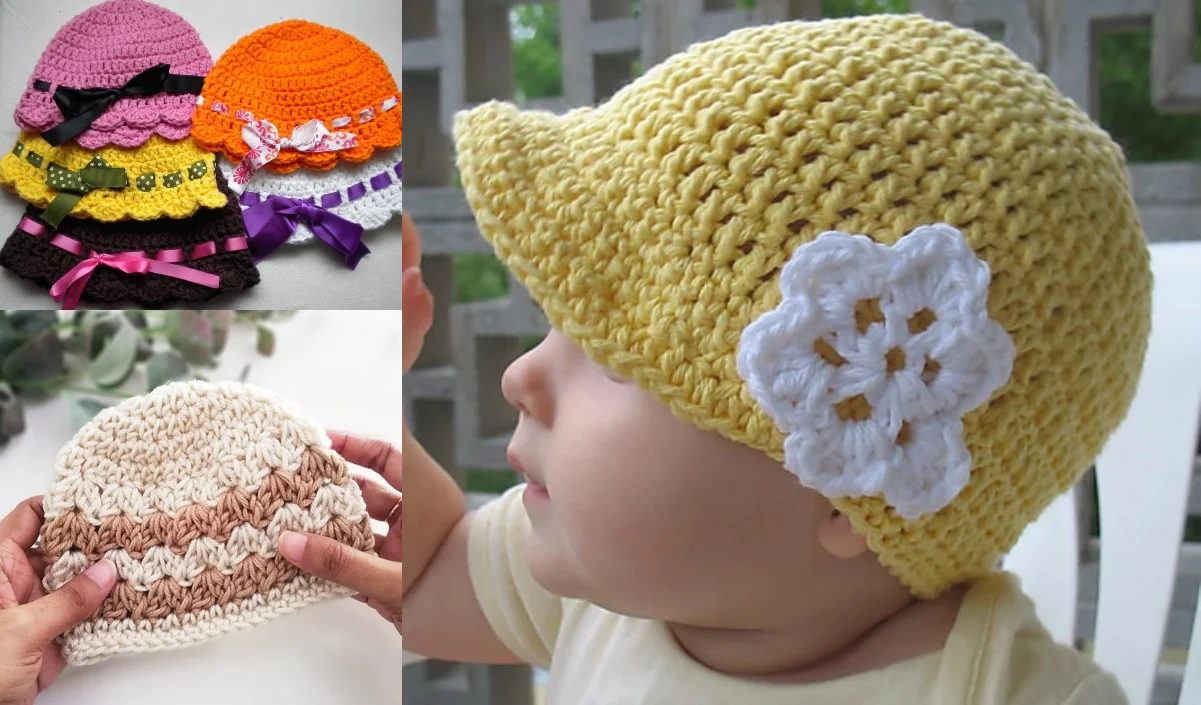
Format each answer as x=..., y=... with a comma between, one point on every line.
x=155, y=176
x=308, y=120
x=124, y=205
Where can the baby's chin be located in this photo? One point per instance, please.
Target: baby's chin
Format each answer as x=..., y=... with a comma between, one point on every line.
x=552, y=566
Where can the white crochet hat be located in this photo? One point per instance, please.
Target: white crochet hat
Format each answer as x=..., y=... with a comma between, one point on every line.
x=368, y=194
x=187, y=490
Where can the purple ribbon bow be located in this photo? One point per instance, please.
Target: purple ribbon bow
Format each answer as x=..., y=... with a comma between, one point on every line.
x=273, y=221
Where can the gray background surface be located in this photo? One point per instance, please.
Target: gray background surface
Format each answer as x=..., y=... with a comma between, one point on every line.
x=308, y=276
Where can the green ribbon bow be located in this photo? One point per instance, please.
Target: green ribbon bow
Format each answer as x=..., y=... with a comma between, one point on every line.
x=74, y=185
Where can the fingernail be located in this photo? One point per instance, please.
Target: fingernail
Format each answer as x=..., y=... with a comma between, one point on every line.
x=291, y=545
x=103, y=573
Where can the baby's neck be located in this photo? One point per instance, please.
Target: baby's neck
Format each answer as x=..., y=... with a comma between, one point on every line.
x=827, y=646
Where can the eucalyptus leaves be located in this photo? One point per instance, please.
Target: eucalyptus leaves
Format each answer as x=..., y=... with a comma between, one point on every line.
x=92, y=356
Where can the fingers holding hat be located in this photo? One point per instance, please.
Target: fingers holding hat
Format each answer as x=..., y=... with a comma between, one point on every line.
x=382, y=501
x=376, y=578
x=73, y=603
x=371, y=453
x=23, y=524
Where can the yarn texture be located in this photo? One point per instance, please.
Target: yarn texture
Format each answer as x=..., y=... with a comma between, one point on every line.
x=187, y=490
x=105, y=46
x=289, y=74
x=35, y=258
x=166, y=179
x=368, y=194
x=655, y=229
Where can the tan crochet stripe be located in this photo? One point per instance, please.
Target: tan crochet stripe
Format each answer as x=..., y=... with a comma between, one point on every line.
x=72, y=530
x=203, y=553
x=254, y=575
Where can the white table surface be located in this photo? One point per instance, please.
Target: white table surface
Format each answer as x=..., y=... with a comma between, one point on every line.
x=343, y=369
x=307, y=276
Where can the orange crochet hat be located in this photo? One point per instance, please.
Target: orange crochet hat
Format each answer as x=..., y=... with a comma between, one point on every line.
x=298, y=74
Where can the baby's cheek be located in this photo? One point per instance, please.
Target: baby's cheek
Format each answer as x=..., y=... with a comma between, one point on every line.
x=629, y=536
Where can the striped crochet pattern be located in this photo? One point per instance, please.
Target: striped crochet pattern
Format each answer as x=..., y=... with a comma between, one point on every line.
x=291, y=73
x=166, y=179
x=655, y=229
x=105, y=46
x=368, y=194
x=187, y=490
x=36, y=258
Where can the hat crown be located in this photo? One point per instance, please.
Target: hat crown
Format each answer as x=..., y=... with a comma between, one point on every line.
x=106, y=45
x=291, y=73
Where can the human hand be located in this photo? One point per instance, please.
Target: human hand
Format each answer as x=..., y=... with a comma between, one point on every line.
x=377, y=579
x=417, y=303
x=29, y=618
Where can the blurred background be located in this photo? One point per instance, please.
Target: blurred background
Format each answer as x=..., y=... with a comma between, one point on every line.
x=1133, y=64
x=57, y=369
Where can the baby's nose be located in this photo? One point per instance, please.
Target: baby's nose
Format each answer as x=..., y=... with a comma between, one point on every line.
x=526, y=386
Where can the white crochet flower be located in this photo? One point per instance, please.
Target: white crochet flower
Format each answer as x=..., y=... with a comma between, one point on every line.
x=871, y=360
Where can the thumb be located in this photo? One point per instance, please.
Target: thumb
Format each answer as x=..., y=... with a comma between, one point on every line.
x=362, y=572
x=73, y=602
x=417, y=316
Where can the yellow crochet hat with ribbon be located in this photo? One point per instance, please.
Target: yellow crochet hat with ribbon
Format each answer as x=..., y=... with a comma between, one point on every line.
x=882, y=250
x=159, y=179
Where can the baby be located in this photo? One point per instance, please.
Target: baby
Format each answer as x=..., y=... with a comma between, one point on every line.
x=839, y=307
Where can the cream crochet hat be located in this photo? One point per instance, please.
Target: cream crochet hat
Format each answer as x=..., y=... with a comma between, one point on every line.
x=187, y=490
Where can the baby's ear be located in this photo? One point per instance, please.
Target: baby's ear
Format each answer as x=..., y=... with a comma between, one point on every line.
x=836, y=536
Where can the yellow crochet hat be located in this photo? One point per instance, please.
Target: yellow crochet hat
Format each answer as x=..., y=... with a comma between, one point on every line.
x=159, y=179
x=883, y=250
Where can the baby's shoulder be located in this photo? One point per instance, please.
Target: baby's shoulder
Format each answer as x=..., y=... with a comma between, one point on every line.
x=1043, y=672
x=1013, y=659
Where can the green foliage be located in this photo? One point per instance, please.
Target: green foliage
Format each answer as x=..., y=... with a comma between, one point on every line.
x=487, y=481
x=850, y=8
x=537, y=60
x=96, y=354
x=479, y=276
x=1126, y=111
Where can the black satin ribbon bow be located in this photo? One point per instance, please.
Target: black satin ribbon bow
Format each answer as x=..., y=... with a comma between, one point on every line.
x=82, y=106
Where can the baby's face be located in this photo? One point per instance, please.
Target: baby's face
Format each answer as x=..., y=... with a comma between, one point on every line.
x=636, y=511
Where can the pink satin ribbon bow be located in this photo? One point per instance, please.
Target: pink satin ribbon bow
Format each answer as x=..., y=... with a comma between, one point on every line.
x=68, y=288
x=265, y=144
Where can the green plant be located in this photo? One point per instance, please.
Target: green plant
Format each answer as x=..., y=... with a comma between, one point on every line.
x=92, y=356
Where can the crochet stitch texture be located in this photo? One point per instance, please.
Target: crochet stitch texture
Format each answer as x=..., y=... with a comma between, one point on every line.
x=652, y=230
x=36, y=259
x=187, y=490
x=293, y=72
x=368, y=206
x=166, y=179
x=105, y=46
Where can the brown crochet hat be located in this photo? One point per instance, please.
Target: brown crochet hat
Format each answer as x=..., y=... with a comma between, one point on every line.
x=152, y=263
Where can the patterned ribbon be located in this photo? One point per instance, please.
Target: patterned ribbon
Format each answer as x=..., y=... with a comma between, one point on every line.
x=265, y=145
x=74, y=185
x=70, y=286
x=82, y=106
x=273, y=221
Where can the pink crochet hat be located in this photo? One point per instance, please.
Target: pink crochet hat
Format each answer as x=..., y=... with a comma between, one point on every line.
x=120, y=45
